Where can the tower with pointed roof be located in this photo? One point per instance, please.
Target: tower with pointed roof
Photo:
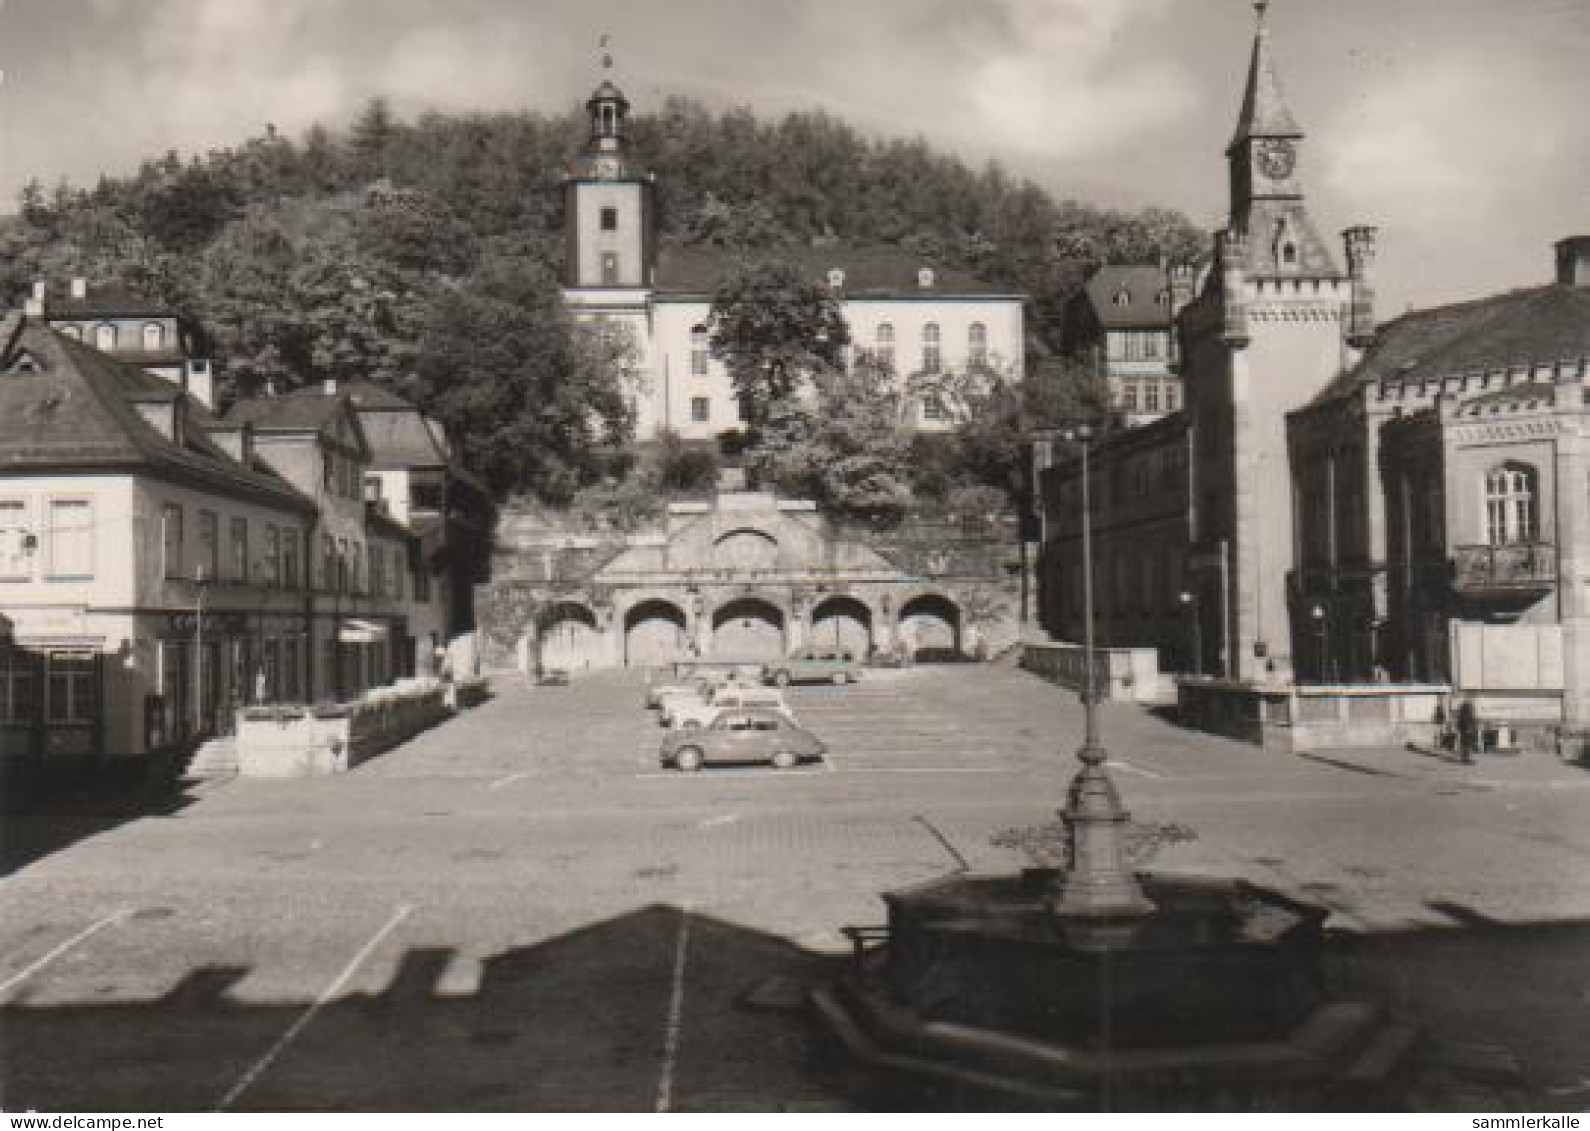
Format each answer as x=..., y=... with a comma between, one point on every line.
x=1277, y=321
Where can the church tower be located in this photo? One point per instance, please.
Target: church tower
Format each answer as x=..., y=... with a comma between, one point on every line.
x=608, y=205
x=1265, y=159
x=1277, y=322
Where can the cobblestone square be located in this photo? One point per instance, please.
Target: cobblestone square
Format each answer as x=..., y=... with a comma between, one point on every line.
x=520, y=910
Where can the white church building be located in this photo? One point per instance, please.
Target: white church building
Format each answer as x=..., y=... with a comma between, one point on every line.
x=919, y=318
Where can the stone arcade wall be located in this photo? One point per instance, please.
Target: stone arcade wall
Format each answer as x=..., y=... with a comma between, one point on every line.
x=744, y=576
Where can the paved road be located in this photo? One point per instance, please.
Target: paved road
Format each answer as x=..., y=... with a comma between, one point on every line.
x=519, y=910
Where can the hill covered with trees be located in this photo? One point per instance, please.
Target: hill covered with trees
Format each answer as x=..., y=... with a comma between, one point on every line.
x=425, y=255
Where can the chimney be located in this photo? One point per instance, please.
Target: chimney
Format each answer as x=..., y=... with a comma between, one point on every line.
x=1233, y=249
x=79, y=287
x=1573, y=262
x=199, y=381
x=1360, y=246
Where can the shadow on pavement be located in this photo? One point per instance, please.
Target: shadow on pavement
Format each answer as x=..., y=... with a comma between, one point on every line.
x=38, y=818
x=579, y=1022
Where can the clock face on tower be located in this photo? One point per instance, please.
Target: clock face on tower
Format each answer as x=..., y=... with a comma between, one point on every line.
x=606, y=168
x=1276, y=158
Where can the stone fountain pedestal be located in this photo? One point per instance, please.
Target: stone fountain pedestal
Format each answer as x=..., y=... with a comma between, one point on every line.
x=980, y=994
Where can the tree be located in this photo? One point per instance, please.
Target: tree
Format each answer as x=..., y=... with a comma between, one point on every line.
x=774, y=328
x=848, y=450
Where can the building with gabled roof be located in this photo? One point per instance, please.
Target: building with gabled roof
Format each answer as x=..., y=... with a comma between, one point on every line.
x=1341, y=502
x=1121, y=321
x=150, y=561
x=911, y=316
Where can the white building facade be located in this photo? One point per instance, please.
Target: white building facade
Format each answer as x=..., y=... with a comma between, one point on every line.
x=925, y=321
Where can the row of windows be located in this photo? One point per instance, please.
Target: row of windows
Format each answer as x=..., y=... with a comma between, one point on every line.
x=68, y=682
x=883, y=352
x=107, y=335
x=1138, y=345
x=1150, y=396
x=64, y=547
x=346, y=566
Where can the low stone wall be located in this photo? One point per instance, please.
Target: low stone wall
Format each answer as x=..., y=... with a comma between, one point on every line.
x=1295, y=718
x=1124, y=675
x=290, y=741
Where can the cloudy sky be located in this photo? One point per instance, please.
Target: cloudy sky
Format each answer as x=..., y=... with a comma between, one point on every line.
x=1457, y=126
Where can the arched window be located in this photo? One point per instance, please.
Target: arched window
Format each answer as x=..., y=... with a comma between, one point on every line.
x=104, y=336
x=154, y=335
x=698, y=351
x=885, y=345
x=1510, y=505
x=931, y=360
x=977, y=344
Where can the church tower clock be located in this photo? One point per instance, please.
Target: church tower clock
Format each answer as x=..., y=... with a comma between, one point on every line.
x=1266, y=181
x=608, y=205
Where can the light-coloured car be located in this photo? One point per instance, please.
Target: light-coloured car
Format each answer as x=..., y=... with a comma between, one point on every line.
x=815, y=665
x=681, y=713
x=753, y=735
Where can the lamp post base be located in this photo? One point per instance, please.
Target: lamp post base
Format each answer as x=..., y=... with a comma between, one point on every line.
x=1098, y=882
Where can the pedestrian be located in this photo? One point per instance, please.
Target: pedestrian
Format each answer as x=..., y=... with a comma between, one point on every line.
x=1468, y=731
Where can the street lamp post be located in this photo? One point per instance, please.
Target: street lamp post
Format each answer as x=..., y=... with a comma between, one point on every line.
x=1097, y=883
x=1322, y=629
x=1189, y=601
x=201, y=581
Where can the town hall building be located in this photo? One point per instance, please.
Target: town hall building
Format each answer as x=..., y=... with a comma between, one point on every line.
x=1339, y=502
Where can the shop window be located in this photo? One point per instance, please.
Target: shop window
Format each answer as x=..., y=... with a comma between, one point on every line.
x=72, y=694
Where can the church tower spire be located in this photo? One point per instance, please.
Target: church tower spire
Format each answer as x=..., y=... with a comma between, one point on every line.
x=1265, y=157
x=1264, y=112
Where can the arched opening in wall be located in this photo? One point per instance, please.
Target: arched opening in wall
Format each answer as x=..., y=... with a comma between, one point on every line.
x=655, y=633
x=842, y=624
x=567, y=637
x=930, y=627
x=745, y=551
x=748, y=628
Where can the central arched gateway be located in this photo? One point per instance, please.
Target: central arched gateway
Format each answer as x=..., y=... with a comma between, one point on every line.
x=930, y=622
x=843, y=624
x=655, y=633
x=748, y=628
x=568, y=637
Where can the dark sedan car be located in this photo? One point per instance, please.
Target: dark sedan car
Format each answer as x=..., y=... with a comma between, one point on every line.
x=751, y=735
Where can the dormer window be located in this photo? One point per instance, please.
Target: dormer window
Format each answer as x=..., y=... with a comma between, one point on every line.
x=924, y=278
x=105, y=336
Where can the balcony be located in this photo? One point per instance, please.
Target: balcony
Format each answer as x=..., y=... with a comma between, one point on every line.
x=1517, y=573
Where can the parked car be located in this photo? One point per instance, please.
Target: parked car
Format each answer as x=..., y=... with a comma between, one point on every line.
x=752, y=735
x=682, y=712
x=815, y=665
x=693, y=675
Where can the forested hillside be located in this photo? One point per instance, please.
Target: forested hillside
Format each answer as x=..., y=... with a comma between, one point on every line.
x=425, y=255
